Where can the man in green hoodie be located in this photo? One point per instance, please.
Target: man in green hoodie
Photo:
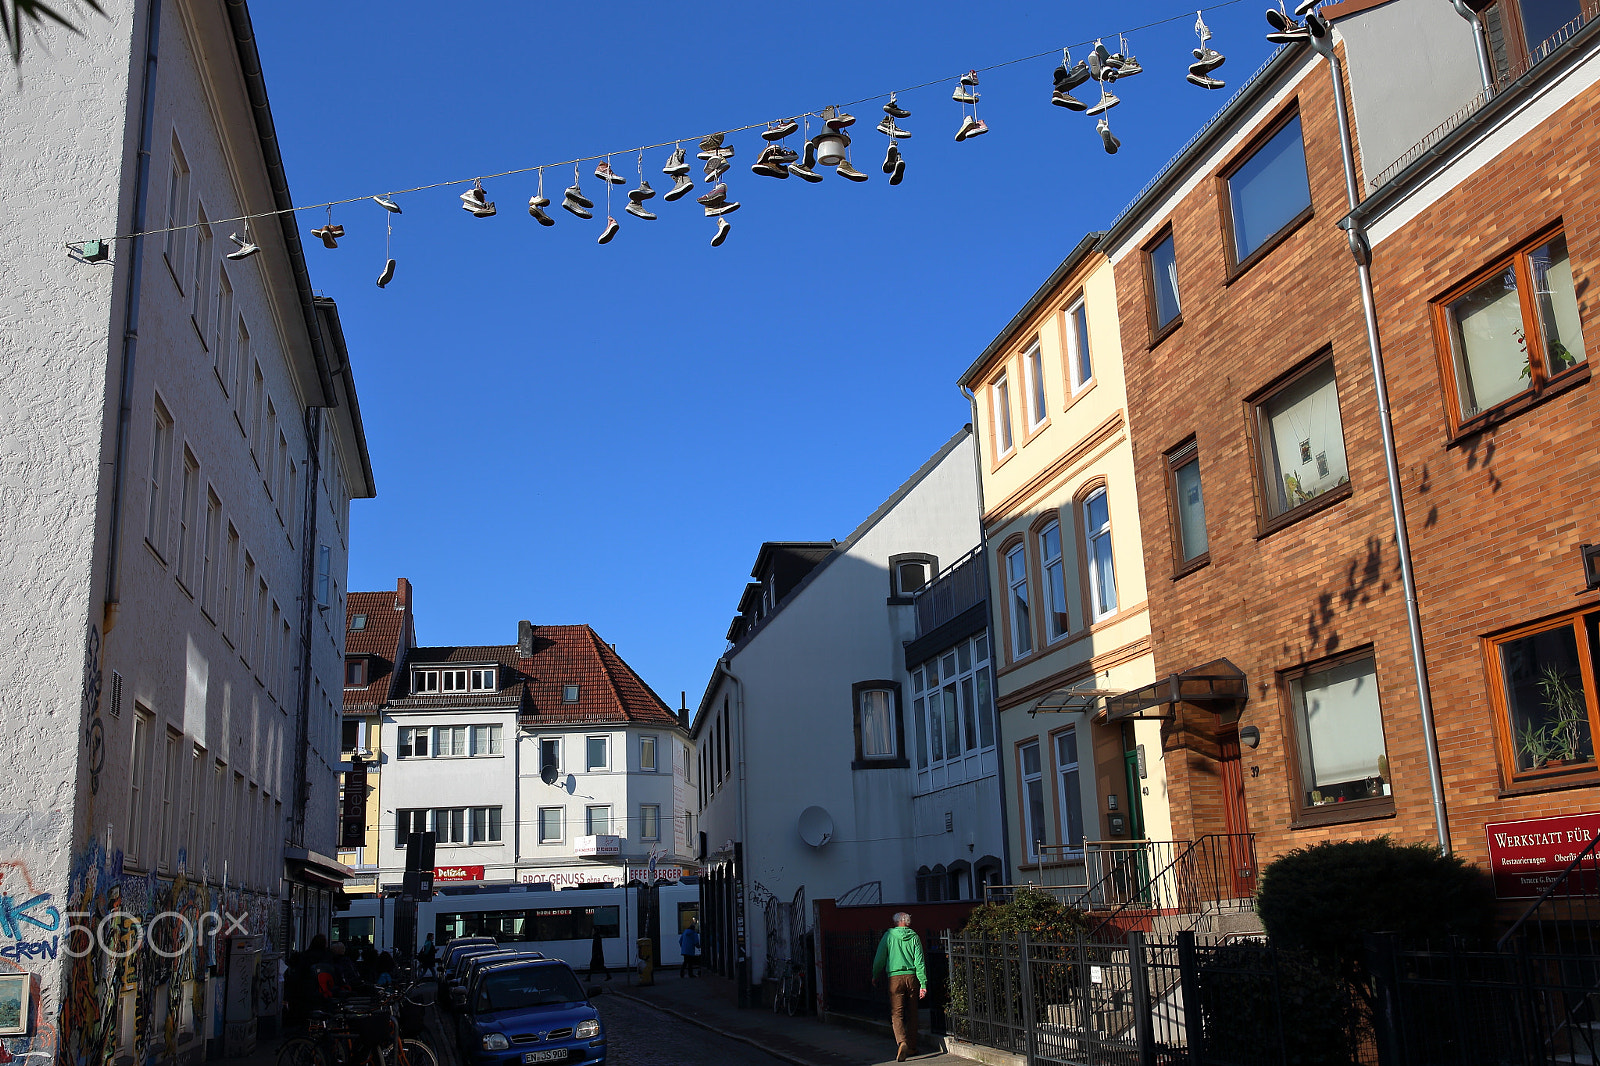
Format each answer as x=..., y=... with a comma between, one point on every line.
x=900, y=954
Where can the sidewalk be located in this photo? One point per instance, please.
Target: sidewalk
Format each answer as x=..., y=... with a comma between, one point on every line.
x=709, y=1002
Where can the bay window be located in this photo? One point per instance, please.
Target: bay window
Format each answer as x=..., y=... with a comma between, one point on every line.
x=1511, y=331
x=952, y=711
x=1543, y=686
x=1341, y=763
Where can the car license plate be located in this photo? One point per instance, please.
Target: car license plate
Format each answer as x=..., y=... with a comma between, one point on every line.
x=553, y=1055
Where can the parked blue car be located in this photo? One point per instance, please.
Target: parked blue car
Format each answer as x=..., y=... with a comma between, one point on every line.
x=531, y=1012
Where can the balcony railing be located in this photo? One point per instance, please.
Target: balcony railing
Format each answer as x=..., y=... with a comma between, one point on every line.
x=959, y=586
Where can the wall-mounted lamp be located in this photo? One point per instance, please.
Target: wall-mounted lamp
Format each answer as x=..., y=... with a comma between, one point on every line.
x=1250, y=736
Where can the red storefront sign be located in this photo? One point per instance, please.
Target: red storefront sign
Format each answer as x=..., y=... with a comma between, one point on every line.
x=1527, y=856
x=458, y=873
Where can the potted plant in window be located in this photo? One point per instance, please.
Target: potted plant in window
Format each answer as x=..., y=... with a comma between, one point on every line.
x=1535, y=745
x=1569, y=719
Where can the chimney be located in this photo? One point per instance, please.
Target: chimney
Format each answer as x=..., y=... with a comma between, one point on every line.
x=402, y=595
x=525, y=638
x=683, y=708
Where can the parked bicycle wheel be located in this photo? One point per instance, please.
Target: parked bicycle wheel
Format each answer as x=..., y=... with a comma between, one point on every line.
x=412, y=1053
x=298, y=1051
x=791, y=1002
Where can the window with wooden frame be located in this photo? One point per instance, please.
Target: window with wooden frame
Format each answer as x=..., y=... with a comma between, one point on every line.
x=1053, y=577
x=1542, y=682
x=1298, y=436
x=1161, y=282
x=1033, y=376
x=1190, y=546
x=1000, y=405
x=1017, y=611
x=1519, y=33
x=1510, y=333
x=880, y=736
x=1339, y=763
x=1080, y=363
x=1266, y=191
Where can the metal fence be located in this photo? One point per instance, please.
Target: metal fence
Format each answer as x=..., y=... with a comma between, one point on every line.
x=962, y=584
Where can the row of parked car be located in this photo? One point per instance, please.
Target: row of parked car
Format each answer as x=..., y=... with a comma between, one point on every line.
x=512, y=1005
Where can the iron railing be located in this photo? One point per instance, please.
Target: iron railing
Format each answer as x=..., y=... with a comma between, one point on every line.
x=1565, y=919
x=962, y=584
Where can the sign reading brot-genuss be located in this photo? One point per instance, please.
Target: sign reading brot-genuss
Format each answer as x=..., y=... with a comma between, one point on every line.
x=1527, y=856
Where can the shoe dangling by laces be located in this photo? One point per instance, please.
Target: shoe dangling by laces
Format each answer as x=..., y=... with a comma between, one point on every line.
x=329, y=234
x=387, y=274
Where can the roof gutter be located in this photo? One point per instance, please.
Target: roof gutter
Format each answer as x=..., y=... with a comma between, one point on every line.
x=256, y=86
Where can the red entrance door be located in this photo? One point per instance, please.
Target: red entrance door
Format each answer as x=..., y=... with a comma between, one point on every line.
x=1239, y=877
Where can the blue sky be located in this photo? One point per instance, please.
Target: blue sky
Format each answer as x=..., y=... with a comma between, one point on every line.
x=569, y=432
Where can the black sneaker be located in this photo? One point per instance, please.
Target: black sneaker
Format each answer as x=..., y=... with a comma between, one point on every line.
x=539, y=216
x=781, y=130
x=894, y=110
x=782, y=156
x=1204, y=82
x=575, y=194
x=891, y=158
x=899, y=172
x=679, y=189
x=888, y=128
x=387, y=275
x=769, y=170
x=1069, y=78
x=969, y=78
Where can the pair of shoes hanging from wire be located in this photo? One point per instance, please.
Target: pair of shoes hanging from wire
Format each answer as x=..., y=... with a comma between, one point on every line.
x=638, y=195
x=477, y=201
x=1206, y=58
x=392, y=209
x=894, y=163
x=1287, y=29
x=775, y=159
x=967, y=96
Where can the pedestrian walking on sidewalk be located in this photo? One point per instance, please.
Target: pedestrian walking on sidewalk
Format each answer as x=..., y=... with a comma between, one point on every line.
x=689, y=944
x=900, y=956
x=597, y=958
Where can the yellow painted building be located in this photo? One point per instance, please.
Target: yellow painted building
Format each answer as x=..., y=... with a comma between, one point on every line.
x=1066, y=577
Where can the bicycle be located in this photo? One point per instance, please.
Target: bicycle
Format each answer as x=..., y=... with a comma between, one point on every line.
x=361, y=1032
x=790, y=993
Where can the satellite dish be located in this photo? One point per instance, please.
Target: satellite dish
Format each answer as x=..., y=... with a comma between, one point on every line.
x=816, y=826
x=549, y=774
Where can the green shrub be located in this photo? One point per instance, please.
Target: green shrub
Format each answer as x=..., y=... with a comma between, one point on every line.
x=1034, y=911
x=1325, y=898
x=1030, y=910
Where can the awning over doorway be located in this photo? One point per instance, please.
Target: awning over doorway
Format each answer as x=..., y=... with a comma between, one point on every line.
x=1218, y=681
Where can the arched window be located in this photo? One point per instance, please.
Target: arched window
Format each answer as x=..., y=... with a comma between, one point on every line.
x=1017, y=601
x=1097, y=553
x=1051, y=570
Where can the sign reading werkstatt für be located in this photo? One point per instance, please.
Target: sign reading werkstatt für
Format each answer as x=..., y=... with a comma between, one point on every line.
x=1526, y=857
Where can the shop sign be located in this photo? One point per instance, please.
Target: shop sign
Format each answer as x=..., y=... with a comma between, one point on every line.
x=458, y=873
x=1526, y=857
x=605, y=844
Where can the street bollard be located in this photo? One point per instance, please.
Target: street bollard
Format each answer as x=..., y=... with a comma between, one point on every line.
x=647, y=967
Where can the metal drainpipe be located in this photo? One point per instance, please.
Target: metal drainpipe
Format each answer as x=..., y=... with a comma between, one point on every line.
x=983, y=543
x=310, y=549
x=1480, y=42
x=1363, y=257
x=742, y=812
x=130, y=326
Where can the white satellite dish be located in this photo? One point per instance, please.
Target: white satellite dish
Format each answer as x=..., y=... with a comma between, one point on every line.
x=816, y=826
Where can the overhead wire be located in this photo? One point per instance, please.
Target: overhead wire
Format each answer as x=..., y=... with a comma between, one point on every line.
x=578, y=160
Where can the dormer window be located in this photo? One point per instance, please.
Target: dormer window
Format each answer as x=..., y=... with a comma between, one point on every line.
x=569, y=694
x=455, y=680
x=424, y=682
x=483, y=681
x=355, y=673
x=358, y=622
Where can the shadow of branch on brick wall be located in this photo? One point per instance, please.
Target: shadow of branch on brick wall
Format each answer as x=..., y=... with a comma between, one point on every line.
x=1363, y=579
x=1484, y=444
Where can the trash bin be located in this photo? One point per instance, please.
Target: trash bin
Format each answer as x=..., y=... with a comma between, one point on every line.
x=647, y=958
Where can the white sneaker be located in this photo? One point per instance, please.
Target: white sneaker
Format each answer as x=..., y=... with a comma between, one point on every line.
x=637, y=210
x=723, y=226
x=387, y=204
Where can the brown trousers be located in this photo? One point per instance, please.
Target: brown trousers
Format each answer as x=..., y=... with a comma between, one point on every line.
x=903, y=1007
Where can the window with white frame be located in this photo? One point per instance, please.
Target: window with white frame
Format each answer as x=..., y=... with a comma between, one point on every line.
x=1021, y=620
x=413, y=742
x=407, y=822
x=155, y=530
x=453, y=681
x=424, y=682
x=952, y=712
x=188, y=500
x=1068, y=787
x=877, y=721
x=647, y=754
x=177, y=238
x=1033, y=828
x=1033, y=372
x=649, y=821
x=138, y=778
x=1079, y=360
x=550, y=825
x=598, y=753
x=465, y=825
x=1097, y=551
x=549, y=754
x=222, y=340
x=486, y=739
x=449, y=741
x=597, y=820
x=1000, y=391
x=170, y=771
x=1056, y=620
x=200, y=298
x=911, y=572
x=482, y=680
x=209, y=551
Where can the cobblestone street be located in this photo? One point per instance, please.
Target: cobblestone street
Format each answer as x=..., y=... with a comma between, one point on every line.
x=640, y=1035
